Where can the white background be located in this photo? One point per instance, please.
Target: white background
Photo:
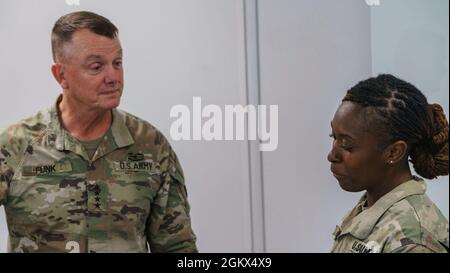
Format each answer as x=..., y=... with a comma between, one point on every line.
x=299, y=54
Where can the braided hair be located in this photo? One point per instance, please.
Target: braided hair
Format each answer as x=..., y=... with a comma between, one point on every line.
x=402, y=112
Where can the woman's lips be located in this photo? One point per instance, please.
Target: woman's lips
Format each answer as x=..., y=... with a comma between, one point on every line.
x=336, y=174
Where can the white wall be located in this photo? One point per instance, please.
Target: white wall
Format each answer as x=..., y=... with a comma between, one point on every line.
x=410, y=39
x=311, y=52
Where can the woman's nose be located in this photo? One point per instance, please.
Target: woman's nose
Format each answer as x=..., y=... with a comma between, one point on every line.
x=333, y=155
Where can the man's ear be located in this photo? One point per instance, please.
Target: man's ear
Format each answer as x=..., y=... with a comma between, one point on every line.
x=58, y=74
x=395, y=152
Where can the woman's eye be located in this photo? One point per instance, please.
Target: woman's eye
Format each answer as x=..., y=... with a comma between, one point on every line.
x=342, y=143
x=346, y=146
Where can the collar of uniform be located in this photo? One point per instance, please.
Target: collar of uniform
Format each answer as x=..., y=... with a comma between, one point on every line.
x=55, y=125
x=120, y=136
x=63, y=140
x=362, y=224
x=119, y=129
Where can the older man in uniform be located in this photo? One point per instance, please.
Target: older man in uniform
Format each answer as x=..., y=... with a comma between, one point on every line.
x=84, y=176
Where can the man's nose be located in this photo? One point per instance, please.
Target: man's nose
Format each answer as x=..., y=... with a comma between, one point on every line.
x=113, y=75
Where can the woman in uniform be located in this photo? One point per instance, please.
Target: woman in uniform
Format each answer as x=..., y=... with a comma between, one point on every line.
x=382, y=124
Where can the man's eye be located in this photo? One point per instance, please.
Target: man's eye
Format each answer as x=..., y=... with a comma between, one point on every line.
x=332, y=136
x=95, y=67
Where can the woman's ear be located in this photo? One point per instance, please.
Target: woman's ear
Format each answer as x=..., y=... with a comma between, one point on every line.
x=395, y=152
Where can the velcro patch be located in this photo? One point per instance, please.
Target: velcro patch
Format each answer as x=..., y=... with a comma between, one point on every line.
x=59, y=167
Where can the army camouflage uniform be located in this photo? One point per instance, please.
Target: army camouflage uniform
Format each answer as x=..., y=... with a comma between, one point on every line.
x=403, y=220
x=129, y=197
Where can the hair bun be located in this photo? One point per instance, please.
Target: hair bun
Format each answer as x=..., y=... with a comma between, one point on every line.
x=430, y=157
x=440, y=124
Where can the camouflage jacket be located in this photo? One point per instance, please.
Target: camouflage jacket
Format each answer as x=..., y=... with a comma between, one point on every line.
x=130, y=197
x=403, y=220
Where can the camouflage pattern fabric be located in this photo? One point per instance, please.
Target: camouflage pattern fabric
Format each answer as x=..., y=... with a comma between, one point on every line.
x=404, y=220
x=130, y=197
